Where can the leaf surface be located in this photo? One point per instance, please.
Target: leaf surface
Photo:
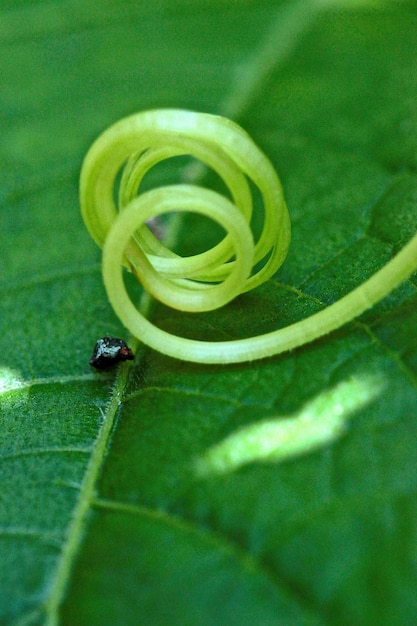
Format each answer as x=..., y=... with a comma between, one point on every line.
x=103, y=518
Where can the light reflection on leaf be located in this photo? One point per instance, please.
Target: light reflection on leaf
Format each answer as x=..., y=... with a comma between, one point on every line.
x=317, y=424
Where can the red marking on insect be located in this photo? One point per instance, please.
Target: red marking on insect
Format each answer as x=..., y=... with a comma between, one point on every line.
x=109, y=351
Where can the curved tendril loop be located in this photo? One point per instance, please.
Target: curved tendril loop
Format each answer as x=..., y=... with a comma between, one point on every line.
x=205, y=281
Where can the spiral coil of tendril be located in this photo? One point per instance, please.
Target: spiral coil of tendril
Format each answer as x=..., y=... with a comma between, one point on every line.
x=204, y=281
x=208, y=280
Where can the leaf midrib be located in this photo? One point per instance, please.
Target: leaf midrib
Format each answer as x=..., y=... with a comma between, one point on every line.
x=78, y=522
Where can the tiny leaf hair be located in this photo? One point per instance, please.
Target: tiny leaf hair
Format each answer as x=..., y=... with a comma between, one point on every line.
x=209, y=280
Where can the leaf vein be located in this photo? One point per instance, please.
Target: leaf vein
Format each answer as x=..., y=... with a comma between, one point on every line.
x=36, y=451
x=80, y=514
x=393, y=355
x=34, y=533
x=247, y=560
x=180, y=391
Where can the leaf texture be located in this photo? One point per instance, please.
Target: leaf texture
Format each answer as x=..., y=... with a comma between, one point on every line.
x=103, y=519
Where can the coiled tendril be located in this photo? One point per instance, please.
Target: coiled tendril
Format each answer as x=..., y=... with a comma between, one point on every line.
x=208, y=280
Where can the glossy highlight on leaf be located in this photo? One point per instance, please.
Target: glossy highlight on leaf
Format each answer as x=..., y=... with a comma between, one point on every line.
x=274, y=440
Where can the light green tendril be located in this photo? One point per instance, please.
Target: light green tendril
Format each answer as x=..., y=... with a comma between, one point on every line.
x=205, y=281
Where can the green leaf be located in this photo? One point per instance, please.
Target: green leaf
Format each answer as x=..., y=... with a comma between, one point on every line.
x=103, y=516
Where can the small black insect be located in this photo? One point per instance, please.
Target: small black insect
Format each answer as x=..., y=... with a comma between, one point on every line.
x=109, y=351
